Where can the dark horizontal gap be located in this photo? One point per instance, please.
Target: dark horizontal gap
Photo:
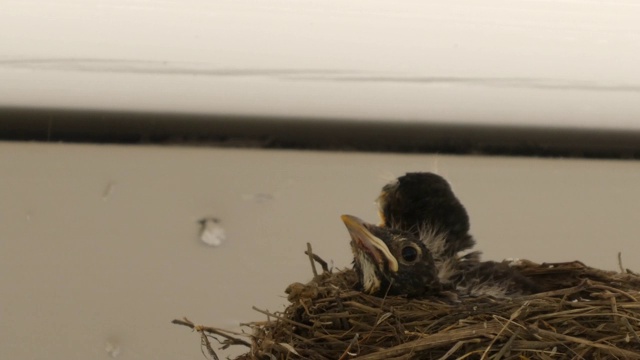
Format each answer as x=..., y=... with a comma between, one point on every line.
x=55, y=125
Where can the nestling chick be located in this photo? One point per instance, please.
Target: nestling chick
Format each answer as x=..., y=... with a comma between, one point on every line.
x=423, y=207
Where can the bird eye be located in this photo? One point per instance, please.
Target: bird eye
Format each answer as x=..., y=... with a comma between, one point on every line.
x=409, y=253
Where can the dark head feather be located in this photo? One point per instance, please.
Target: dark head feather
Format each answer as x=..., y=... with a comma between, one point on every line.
x=424, y=203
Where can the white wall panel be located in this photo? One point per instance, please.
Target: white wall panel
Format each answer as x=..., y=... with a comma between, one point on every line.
x=528, y=62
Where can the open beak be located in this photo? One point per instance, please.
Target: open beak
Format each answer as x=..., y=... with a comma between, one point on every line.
x=368, y=243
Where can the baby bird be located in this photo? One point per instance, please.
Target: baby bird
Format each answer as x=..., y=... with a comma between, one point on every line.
x=424, y=205
x=415, y=250
x=394, y=262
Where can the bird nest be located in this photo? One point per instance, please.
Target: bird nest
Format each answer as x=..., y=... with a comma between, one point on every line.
x=583, y=313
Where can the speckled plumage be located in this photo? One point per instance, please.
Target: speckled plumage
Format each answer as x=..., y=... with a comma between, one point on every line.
x=420, y=209
x=424, y=204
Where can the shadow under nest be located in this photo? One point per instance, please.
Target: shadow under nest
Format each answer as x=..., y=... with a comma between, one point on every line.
x=583, y=313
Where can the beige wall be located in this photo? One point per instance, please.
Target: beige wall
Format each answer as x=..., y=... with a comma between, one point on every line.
x=99, y=244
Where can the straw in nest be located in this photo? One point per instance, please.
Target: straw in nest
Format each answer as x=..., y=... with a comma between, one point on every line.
x=585, y=313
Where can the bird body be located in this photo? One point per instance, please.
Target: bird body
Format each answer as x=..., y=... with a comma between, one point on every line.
x=415, y=250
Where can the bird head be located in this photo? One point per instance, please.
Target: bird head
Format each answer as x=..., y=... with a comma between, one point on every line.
x=390, y=261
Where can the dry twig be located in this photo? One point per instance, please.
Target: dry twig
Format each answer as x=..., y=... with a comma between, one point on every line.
x=583, y=313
